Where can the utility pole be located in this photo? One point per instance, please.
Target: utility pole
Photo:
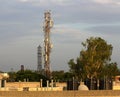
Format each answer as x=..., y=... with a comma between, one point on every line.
x=48, y=24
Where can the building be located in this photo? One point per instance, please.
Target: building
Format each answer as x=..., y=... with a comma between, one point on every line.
x=39, y=58
x=22, y=67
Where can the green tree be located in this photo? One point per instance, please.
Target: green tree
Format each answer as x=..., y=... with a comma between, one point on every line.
x=93, y=57
x=58, y=75
x=61, y=76
x=77, y=69
x=67, y=76
x=96, y=53
x=110, y=70
x=12, y=76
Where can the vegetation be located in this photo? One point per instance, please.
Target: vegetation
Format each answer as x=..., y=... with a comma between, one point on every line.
x=93, y=60
x=33, y=76
x=61, y=76
x=26, y=75
x=110, y=70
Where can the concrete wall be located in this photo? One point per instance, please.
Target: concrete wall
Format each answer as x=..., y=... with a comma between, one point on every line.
x=22, y=84
x=33, y=86
x=32, y=89
x=105, y=93
x=116, y=85
x=30, y=84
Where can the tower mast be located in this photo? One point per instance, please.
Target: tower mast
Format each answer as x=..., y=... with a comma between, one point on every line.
x=48, y=24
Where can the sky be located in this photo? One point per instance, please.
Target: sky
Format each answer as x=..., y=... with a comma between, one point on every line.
x=21, y=30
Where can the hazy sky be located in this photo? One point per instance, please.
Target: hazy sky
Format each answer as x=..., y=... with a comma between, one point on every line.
x=21, y=30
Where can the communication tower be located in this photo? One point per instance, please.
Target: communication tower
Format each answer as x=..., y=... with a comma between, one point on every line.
x=48, y=24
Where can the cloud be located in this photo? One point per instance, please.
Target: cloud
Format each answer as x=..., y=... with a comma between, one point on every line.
x=69, y=2
x=48, y=2
x=62, y=2
x=74, y=21
x=113, y=2
x=24, y=0
x=103, y=1
x=107, y=28
x=70, y=33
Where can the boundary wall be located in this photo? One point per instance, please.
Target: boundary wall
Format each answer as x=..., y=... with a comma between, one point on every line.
x=91, y=93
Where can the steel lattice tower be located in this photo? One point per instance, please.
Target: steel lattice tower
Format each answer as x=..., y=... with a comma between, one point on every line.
x=48, y=24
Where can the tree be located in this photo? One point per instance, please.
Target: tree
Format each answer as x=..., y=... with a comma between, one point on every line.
x=58, y=75
x=97, y=53
x=110, y=70
x=61, y=76
x=12, y=76
x=27, y=75
x=77, y=69
x=92, y=58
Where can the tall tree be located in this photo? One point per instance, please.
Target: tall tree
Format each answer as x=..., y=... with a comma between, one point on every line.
x=96, y=53
x=92, y=58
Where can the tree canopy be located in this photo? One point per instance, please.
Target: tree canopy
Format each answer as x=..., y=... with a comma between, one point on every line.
x=95, y=54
